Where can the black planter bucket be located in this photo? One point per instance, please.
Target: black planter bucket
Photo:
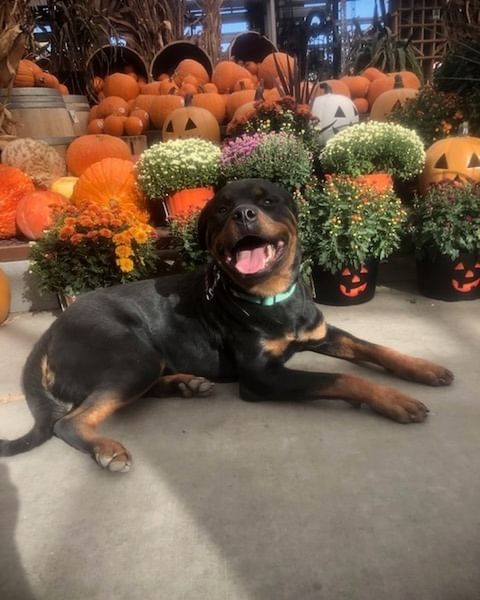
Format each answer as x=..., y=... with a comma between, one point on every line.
x=347, y=287
x=450, y=280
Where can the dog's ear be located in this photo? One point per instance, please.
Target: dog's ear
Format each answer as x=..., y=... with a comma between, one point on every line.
x=202, y=227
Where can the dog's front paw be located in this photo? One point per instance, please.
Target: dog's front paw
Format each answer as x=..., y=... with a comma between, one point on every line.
x=399, y=407
x=434, y=375
x=197, y=386
x=111, y=455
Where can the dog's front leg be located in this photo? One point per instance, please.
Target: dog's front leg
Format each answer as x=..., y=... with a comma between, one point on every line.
x=279, y=383
x=341, y=344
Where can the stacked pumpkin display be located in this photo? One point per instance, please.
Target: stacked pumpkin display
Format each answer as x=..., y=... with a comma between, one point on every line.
x=29, y=74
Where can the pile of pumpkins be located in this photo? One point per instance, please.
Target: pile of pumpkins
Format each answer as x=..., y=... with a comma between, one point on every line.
x=29, y=74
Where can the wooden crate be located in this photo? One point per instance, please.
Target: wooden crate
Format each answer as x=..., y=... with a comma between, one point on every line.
x=136, y=143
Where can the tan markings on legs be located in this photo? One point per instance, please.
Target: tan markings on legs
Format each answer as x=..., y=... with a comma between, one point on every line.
x=188, y=386
x=277, y=347
x=384, y=400
x=408, y=367
x=48, y=376
x=78, y=428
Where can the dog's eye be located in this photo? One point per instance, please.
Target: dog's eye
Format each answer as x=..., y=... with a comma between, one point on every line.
x=268, y=201
x=222, y=210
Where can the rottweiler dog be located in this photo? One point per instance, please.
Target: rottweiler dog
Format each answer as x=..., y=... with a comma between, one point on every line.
x=238, y=319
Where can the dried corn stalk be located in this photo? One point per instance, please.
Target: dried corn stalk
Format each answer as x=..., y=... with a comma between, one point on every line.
x=211, y=36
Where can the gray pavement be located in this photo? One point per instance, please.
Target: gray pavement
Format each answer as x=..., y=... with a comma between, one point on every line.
x=234, y=501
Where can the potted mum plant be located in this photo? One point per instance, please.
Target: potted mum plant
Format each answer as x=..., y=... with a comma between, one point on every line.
x=91, y=247
x=445, y=224
x=279, y=157
x=346, y=228
x=181, y=172
x=375, y=148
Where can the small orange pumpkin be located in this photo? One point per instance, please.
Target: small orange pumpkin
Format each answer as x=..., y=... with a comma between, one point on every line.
x=63, y=89
x=372, y=73
x=88, y=149
x=46, y=80
x=142, y=115
x=162, y=106
x=213, y=102
x=114, y=125
x=150, y=88
x=25, y=76
x=133, y=126
x=167, y=86
x=113, y=105
x=122, y=85
x=34, y=212
x=362, y=105
x=96, y=126
x=190, y=67
x=226, y=74
x=357, y=84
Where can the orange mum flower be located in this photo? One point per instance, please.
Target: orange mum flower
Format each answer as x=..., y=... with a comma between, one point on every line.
x=126, y=264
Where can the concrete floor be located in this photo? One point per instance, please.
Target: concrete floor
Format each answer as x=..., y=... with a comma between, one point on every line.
x=234, y=501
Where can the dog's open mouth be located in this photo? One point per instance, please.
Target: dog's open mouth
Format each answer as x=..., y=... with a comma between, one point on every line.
x=253, y=255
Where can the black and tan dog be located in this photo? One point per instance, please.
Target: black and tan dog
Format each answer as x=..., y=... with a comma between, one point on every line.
x=239, y=319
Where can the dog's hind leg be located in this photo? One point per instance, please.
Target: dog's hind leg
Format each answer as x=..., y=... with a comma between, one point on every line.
x=184, y=384
x=79, y=429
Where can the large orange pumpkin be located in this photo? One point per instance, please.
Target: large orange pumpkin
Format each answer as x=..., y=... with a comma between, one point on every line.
x=88, y=149
x=110, y=179
x=112, y=105
x=25, y=76
x=162, y=106
x=272, y=65
x=357, y=84
x=150, y=88
x=32, y=65
x=46, y=80
x=144, y=102
x=13, y=185
x=190, y=67
x=453, y=158
x=213, y=102
x=34, y=212
x=372, y=73
x=5, y=296
x=235, y=100
x=120, y=84
x=335, y=85
x=389, y=101
x=226, y=74
x=410, y=80
x=378, y=87
x=191, y=121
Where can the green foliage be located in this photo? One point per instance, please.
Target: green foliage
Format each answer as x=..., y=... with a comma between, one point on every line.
x=184, y=228
x=374, y=147
x=344, y=223
x=176, y=165
x=279, y=157
x=446, y=220
x=459, y=71
x=432, y=114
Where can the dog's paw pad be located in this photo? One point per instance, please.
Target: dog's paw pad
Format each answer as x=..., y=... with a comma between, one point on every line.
x=197, y=386
x=112, y=456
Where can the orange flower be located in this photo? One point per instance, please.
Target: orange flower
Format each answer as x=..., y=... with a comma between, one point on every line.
x=106, y=233
x=126, y=264
x=92, y=234
x=122, y=238
x=85, y=221
x=140, y=235
x=123, y=251
x=66, y=232
x=77, y=238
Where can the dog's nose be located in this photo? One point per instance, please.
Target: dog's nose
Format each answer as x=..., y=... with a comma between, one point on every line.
x=245, y=215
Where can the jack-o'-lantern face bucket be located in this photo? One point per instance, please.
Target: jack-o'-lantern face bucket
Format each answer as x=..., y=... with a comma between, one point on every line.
x=451, y=280
x=348, y=286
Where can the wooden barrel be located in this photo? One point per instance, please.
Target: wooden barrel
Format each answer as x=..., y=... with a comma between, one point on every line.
x=60, y=143
x=79, y=111
x=112, y=59
x=38, y=112
x=250, y=46
x=167, y=59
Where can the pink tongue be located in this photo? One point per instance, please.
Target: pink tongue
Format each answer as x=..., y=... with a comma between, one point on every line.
x=250, y=261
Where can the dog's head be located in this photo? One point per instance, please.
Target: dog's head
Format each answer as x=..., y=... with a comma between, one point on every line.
x=250, y=229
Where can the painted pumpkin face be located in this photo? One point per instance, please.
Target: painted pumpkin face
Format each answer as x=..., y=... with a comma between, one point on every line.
x=335, y=112
x=191, y=122
x=466, y=275
x=454, y=158
x=353, y=282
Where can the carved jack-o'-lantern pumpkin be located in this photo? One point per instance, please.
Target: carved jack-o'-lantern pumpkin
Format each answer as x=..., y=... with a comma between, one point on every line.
x=353, y=282
x=391, y=100
x=453, y=158
x=191, y=122
x=466, y=275
x=334, y=111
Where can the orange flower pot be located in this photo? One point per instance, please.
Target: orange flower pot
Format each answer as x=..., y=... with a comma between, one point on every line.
x=187, y=201
x=377, y=181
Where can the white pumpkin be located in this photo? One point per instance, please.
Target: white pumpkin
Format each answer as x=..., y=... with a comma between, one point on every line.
x=334, y=111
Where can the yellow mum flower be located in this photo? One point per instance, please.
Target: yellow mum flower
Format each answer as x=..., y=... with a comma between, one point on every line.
x=122, y=238
x=123, y=251
x=126, y=264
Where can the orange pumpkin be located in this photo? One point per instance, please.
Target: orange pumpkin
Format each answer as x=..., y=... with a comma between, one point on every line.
x=252, y=67
x=94, y=113
x=213, y=102
x=64, y=186
x=272, y=65
x=357, y=84
x=209, y=88
x=88, y=149
x=191, y=79
x=34, y=212
x=162, y=106
x=133, y=126
x=362, y=105
x=235, y=100
x=113, y=105
x=96, y=126
x=191, y=121
x=389, y=101
x=188, y=89
x=244, y=84
x=142, y=115
x=336, y=86
x=5, y=296
x=46, y=80
x=372, y=73
x=163, y=76
x=63, y=89
x=271, y=95
x=114, y=125
x=226, y=74
x=150, y=88
x=188, y=67
x=32, y=65
x=144, y=102
x=122, y=85
x=167, y=86
x=13, y=185
x=25, y=76
x=110, y=179
x=378, y=87
x=410, y=80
